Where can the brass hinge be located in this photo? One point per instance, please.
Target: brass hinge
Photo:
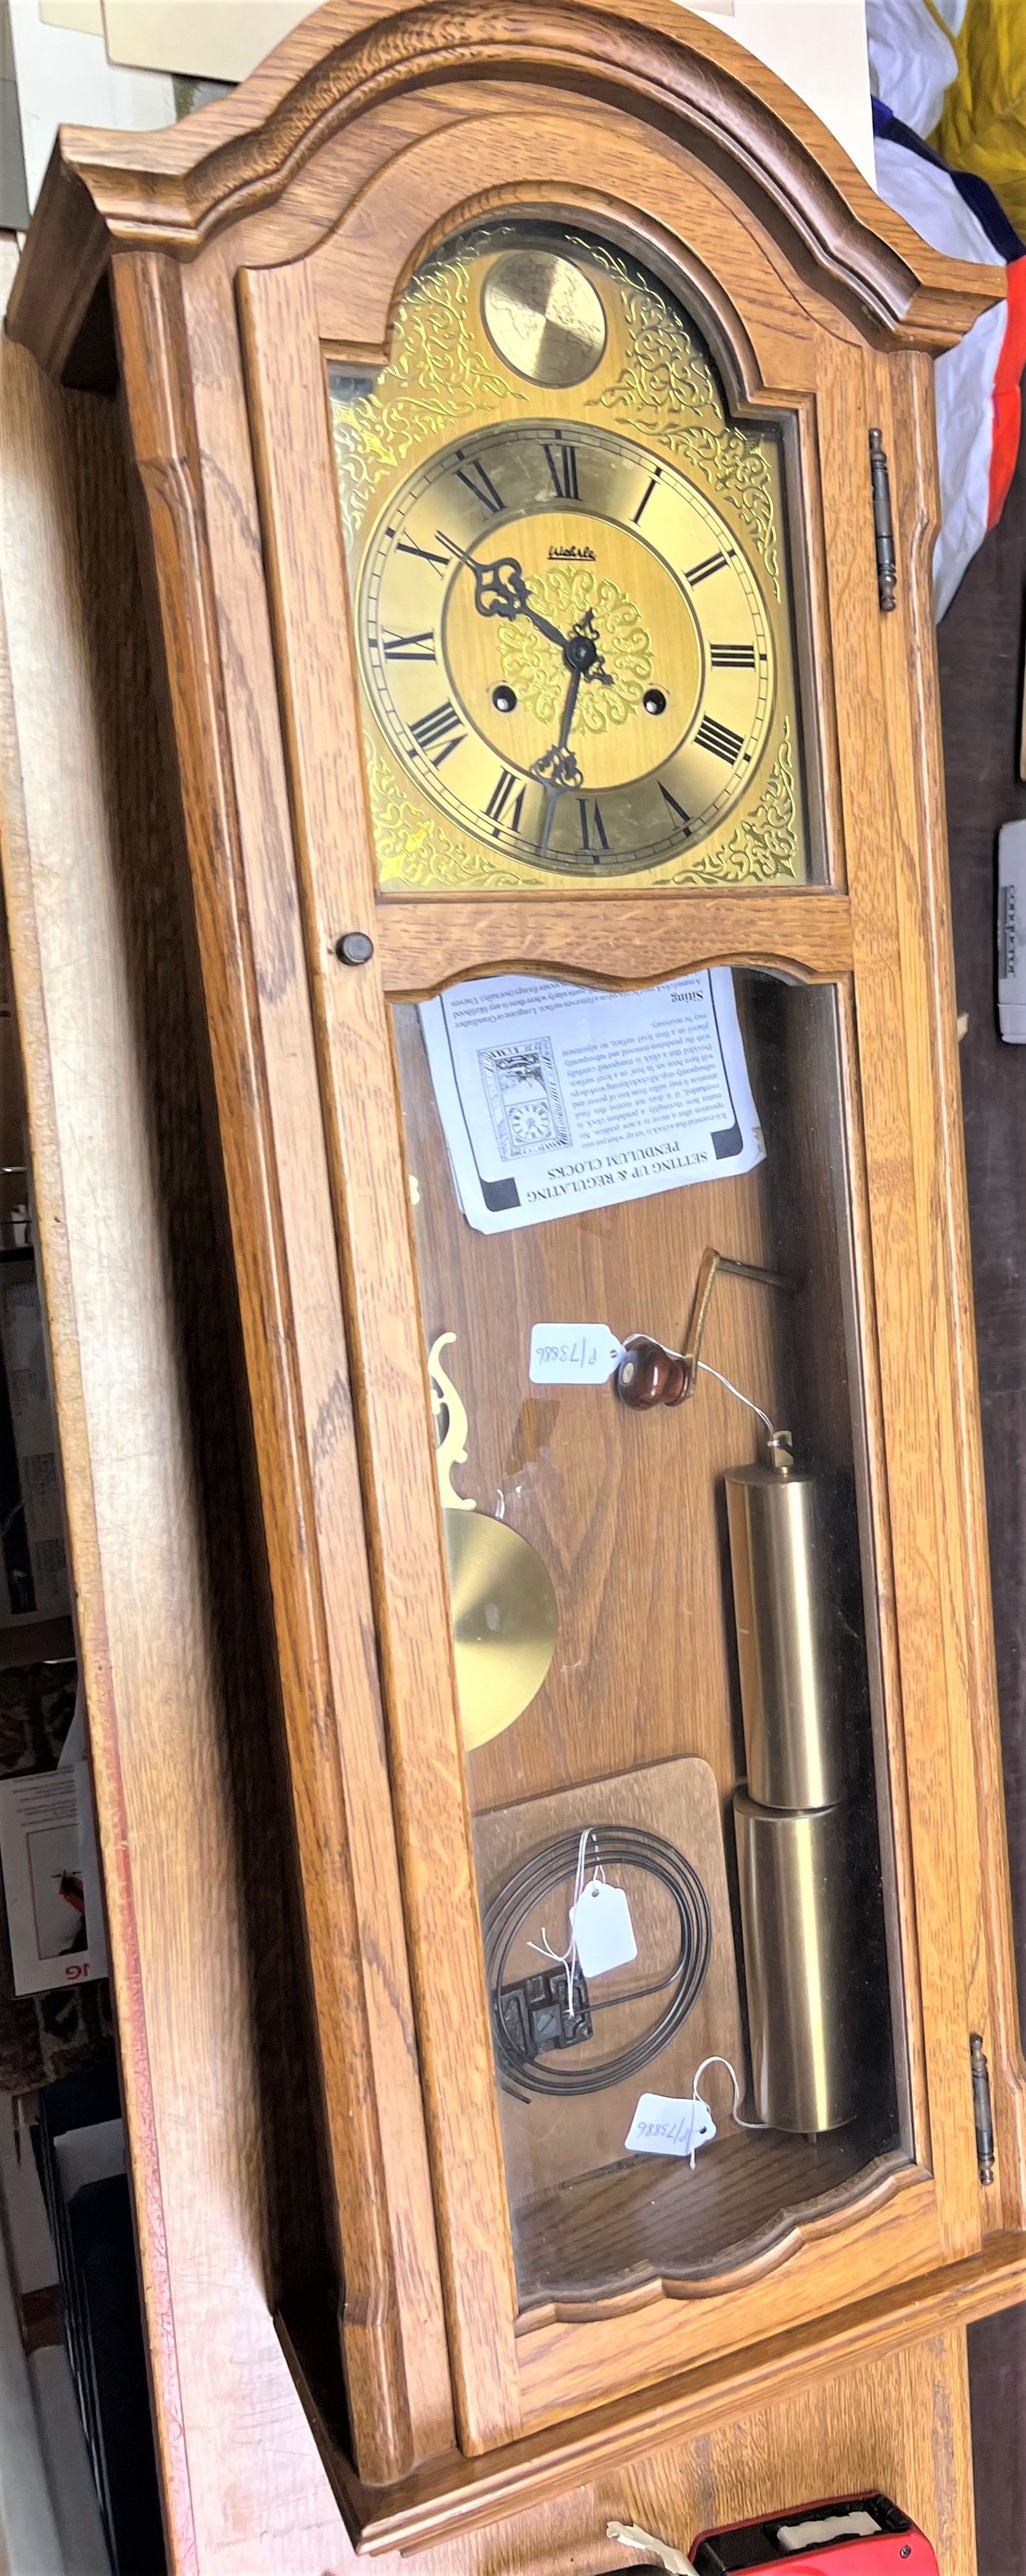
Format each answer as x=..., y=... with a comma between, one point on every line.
x=982, y=2113
x=883, y=522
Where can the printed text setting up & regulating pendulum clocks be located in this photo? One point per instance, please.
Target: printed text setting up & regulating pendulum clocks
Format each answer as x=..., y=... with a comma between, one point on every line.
x=532, y=411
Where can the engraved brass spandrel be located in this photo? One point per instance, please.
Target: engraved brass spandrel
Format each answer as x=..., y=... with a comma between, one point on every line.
x=415, y=853
x=414, y=850
x=764, y=847
x=442, y=372
x=667, y=388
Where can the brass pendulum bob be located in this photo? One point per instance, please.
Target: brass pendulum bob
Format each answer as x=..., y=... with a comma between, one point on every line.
x=504, y=1613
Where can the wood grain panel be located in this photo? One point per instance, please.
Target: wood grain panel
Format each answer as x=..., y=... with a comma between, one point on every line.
x=447, y=183
x=699, y=2233
x=205, y=1965
x=812, y=2263
x=887, y=861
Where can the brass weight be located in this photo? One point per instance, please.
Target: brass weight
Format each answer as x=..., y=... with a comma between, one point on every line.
x=788, y=1642
x=793, y=1824
x=801, y=1964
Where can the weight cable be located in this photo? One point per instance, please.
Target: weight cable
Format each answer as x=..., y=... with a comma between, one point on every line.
x=614, y=1847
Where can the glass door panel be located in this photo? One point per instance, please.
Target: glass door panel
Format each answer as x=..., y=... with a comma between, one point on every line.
x=652, y=1466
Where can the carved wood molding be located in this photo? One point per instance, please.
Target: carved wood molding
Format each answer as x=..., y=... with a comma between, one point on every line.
x=789, y=2235
x=174, y=190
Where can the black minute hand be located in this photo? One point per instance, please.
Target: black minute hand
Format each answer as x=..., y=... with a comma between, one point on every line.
x=558, y=766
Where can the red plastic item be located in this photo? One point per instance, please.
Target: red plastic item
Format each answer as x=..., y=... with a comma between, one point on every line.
x=895, y=2548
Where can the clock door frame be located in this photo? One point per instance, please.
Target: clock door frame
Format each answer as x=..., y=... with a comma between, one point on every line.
x=288, y=227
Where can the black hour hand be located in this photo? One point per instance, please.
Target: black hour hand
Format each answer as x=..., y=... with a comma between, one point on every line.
x=499, y=588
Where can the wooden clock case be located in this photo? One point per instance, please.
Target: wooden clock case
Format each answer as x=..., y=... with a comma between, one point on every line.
x=208, y=270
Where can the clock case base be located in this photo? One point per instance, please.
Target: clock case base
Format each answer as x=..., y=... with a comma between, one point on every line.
x=453, y=2496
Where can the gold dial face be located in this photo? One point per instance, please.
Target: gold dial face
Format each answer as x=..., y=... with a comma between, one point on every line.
x=573, y=628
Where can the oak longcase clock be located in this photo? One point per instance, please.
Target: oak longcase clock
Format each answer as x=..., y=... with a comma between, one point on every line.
x=532, y=412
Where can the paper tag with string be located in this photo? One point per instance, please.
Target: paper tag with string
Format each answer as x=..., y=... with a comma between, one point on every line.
x=665, y=2126
x=668, y=2126
x=602, y=1928
x=603, y=1916
x=572, y=1354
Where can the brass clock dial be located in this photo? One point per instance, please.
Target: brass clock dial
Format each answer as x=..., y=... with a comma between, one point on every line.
x=565, y=647
x=570, y=582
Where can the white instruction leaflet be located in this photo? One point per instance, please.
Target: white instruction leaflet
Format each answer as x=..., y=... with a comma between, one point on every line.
x=554, y=1097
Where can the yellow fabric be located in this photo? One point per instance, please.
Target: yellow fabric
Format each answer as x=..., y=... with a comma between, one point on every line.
x=983, y=122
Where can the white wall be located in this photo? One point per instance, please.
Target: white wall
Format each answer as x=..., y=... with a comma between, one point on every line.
x=818, y=46
x=65, y=77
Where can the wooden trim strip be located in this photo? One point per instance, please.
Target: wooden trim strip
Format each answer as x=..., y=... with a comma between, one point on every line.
x=39, y=526
x=302, y=547
x=894, y=1097
x=819, y=2219
x=425, y=942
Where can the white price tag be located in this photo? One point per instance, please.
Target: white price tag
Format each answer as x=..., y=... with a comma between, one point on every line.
x=602, y=1928
x=664, y=2127
x=573, y=1354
